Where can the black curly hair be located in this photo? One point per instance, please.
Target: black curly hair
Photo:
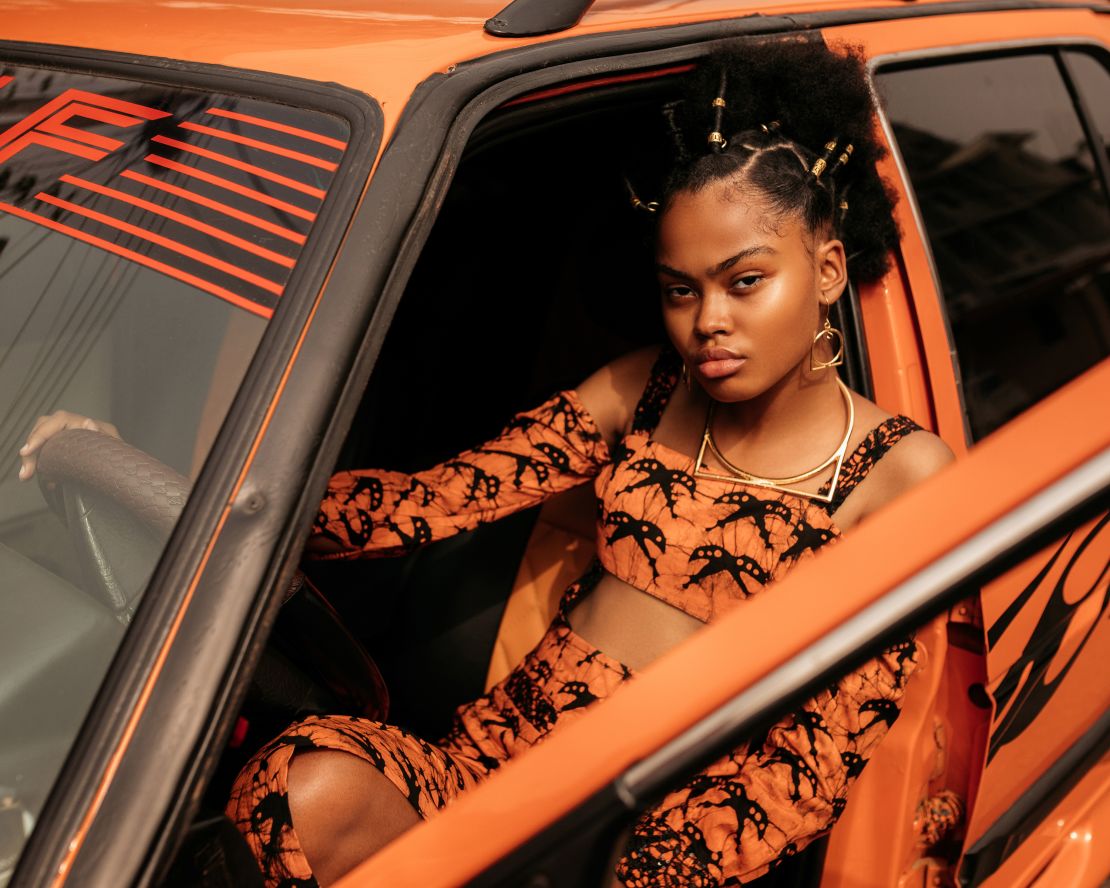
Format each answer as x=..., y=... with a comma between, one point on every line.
x=786, y=102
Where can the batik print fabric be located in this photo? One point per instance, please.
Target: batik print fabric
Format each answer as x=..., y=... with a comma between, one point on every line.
x=540, y=453
x=702, y=545
x=554, y=684
x=764, y=802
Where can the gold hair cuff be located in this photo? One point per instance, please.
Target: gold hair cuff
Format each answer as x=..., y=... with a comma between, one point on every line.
x=845, y=156
x=719, y=103
x=649, y=206
x=822, y=162
x=718, y=141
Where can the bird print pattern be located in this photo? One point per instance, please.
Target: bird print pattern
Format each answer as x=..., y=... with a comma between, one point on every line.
x=702, y=545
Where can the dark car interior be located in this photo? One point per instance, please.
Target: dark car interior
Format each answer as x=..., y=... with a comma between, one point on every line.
x=537, y=271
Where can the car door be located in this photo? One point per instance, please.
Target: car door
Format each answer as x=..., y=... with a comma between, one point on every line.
x=1006, y=159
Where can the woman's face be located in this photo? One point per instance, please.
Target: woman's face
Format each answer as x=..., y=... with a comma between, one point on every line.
x=742, y=290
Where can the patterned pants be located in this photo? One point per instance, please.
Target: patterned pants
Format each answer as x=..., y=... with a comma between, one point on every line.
x=554, y=683
x=730, y=824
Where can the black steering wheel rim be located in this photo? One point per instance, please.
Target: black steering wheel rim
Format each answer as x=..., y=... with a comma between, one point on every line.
x=332, y=670
x=78, y=468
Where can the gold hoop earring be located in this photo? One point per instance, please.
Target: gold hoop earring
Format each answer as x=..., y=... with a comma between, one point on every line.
x=829, y=333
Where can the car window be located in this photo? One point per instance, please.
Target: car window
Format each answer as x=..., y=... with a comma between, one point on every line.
x=147, y=234
x=1088, y=71
x=1017, y=221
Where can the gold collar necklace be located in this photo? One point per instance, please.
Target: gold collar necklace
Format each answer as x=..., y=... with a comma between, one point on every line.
x=736, y=474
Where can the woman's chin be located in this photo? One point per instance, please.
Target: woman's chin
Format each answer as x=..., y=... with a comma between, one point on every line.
x=733, y=388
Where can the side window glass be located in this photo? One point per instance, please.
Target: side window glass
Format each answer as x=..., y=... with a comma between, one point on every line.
x=1017, y=220
x=1092, y=80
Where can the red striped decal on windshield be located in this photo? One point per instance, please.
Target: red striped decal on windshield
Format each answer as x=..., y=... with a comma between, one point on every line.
x=279, y=127
x=211, y=179
x=37, y=138
x=79, y=95
x=193, y=281
x=168, y=243
x=57, y=125
x=241, y=215
x=182, y=219
x=240, y=165
x=260, y=145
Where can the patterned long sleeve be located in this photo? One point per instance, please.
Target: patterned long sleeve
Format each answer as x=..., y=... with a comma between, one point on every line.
x=769, y=799
x=540, y=453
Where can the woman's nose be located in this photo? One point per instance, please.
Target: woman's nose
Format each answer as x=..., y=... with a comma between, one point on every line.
x=714, y=313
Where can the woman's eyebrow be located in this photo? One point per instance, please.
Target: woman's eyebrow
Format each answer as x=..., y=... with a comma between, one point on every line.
x=759, y=250
x=673, y=272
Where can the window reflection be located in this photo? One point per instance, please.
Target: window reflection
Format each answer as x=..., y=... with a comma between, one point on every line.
x=1017, y=221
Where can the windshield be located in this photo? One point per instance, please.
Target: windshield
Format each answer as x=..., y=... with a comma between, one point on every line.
x=147, y=234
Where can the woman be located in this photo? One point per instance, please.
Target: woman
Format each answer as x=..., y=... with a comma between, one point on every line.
x=755, y=237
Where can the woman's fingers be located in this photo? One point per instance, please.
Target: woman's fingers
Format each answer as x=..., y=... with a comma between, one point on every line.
x=46, y=427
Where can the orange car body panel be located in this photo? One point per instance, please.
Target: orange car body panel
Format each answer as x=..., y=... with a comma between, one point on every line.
x=897, y=337
x=1071, y=844
x=385, y=52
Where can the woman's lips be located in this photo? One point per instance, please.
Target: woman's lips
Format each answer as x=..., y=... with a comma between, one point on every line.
x=713, y=363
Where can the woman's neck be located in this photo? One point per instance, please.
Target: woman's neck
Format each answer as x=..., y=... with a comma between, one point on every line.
x=796, y=422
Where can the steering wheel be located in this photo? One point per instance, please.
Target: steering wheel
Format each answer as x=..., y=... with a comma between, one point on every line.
x=120, y=506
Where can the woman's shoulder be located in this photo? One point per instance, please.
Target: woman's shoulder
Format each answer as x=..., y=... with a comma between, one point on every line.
x=611, y=392
x=904, y=453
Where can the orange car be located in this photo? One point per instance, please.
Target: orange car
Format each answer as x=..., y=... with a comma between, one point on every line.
x=248, y=233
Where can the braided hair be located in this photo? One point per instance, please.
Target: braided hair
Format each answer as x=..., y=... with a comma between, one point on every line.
x=795, y=121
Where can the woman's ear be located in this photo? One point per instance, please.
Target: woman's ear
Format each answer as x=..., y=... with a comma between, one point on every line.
x=832, y=270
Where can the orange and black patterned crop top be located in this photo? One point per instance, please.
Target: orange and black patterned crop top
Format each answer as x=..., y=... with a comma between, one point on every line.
x=701, y=545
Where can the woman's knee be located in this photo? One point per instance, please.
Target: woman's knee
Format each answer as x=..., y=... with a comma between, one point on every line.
x=343, y=810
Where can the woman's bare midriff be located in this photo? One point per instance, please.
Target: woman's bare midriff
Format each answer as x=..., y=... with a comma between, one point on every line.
x=628, y=624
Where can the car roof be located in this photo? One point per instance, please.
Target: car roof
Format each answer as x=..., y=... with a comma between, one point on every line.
x=383, y=47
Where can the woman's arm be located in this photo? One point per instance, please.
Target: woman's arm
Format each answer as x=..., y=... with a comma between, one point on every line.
x=771, y=798
x=539, y=453
x=561, y=444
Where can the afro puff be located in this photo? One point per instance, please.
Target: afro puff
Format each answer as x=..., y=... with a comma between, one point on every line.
x=785, y=100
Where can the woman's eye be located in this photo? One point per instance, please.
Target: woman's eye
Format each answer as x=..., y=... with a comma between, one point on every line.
x=678, y=293
x=746, y=281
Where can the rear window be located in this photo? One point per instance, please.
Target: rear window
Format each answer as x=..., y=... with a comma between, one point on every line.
x=1016, y=214
x=147, y=235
